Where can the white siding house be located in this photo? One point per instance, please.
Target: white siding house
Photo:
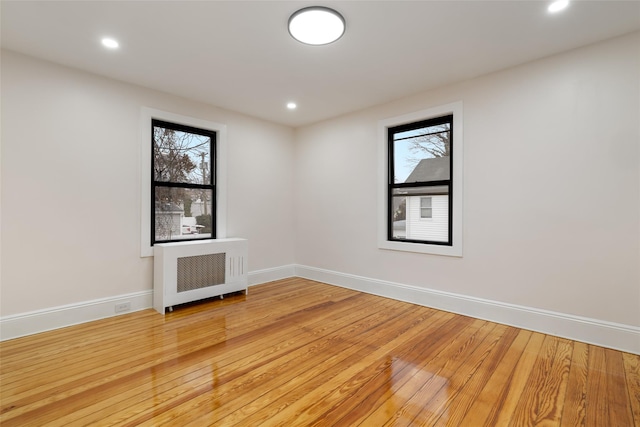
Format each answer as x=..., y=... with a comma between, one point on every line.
x=426, y=207
x=428, y=223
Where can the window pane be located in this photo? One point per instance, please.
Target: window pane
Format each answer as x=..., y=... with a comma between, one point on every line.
x=181, y=156
x=422, y=154
x=182, y=213
x=426, y=213
x=408, y=213
x=398, y=222
x=425, y=207
x=425, y=202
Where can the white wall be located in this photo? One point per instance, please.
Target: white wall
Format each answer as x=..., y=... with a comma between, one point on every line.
x=70, y=148
x=551, y=196
x=551, y=188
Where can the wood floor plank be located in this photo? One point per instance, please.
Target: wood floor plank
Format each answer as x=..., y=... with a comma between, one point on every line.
x=296, y=352
x=540, y=401
x=496, y=396
x=385, y=399
x=299, y=399
x=262, y=376
x=598, y=404
x=428, y=405
x=314, y=403
x=608, y=398
x=574, y=408
x=632, y=375
x=313, y=336
x=621, y=413
x=466, y=383
x=74, y=377
x=126, y=359
x=129, y=348
x=310, y=373
x=195, y=355
x=405, y=397
x=60, y=341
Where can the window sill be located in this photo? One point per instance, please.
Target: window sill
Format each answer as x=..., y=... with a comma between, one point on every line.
x=421, y=248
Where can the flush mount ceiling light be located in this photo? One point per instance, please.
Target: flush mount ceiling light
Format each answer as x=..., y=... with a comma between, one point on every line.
x=316, y=25
x=110, y=43
x=558, y=5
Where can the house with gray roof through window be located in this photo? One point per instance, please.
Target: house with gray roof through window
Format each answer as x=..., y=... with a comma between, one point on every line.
x=426, y=208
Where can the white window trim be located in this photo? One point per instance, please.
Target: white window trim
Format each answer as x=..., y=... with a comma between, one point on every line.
x=146, y=115
x=454, y=108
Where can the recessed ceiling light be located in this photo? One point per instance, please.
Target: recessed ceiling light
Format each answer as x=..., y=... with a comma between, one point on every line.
x=110, y=43
x=291, y=105
x=558, y=5
x=316, y=25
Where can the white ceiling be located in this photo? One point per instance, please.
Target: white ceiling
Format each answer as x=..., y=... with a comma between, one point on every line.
x=238, y=54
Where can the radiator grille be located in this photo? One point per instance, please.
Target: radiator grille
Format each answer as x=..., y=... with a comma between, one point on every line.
x=195, y=272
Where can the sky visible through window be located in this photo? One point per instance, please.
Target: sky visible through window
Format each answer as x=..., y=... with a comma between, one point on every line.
x=181, y=156
x=403, y=163
x=406, y=159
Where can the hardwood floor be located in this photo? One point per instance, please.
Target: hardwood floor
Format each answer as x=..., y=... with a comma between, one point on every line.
x=297, y=352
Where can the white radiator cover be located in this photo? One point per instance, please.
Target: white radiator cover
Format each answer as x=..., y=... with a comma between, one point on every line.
x=190, y=271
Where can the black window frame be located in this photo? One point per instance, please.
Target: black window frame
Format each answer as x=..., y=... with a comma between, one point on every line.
x=391, y=185
x=211, y=186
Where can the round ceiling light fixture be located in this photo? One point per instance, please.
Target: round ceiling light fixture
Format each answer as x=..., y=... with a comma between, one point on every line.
x=558, y=5
x=110, y=43
x=316, y=25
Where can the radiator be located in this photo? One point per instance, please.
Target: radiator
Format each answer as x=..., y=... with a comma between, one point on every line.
x=189, y=271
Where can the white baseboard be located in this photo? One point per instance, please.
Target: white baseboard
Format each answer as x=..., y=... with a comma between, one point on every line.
x=592, y=331
x=602, y=333
x=22, y=324
x=33, y=322
x=270, y=274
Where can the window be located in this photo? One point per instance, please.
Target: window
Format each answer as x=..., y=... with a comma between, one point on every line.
x=426, y=211
x=183, y=179
x=419, y=173
x=182, y=182
x=420, y=194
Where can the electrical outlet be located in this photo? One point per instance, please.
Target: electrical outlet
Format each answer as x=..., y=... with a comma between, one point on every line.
x=122, y=307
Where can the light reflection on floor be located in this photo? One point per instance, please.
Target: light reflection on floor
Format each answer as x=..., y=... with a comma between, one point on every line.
x=414, y=393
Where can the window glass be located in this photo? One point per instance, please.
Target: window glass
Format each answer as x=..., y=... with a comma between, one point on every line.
x=420, y=181
x=411, y=147
x=409, y=209
x=182, y=213
x=183, y=183
x=426, y=210
x=181, y=156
